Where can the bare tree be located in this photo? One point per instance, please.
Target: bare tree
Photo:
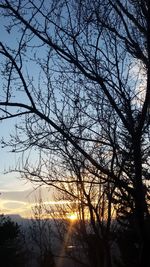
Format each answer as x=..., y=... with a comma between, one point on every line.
x=41, y=235
x=90, y=104
x=92, y=229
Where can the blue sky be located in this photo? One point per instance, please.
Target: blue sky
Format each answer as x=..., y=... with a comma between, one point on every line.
x=12, y=189
x=16, y=195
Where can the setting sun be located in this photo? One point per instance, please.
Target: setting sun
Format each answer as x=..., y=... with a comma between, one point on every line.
x=72, y=216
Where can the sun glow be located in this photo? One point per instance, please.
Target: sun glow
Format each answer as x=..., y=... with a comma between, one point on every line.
x=72, y=217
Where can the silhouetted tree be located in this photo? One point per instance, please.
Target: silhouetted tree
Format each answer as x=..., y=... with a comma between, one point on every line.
x=90, y=105
x=41, y=235
x=12, y=251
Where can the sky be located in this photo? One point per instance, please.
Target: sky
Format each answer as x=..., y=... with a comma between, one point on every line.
x=17, y=195
x=14, y=192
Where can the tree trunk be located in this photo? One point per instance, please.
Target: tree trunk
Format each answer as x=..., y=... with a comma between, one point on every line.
x=140, y=207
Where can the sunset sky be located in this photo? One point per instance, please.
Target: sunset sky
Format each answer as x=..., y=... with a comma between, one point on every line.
x=17, y=196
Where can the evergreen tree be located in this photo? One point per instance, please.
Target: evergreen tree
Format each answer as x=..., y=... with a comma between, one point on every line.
x=11, y=248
